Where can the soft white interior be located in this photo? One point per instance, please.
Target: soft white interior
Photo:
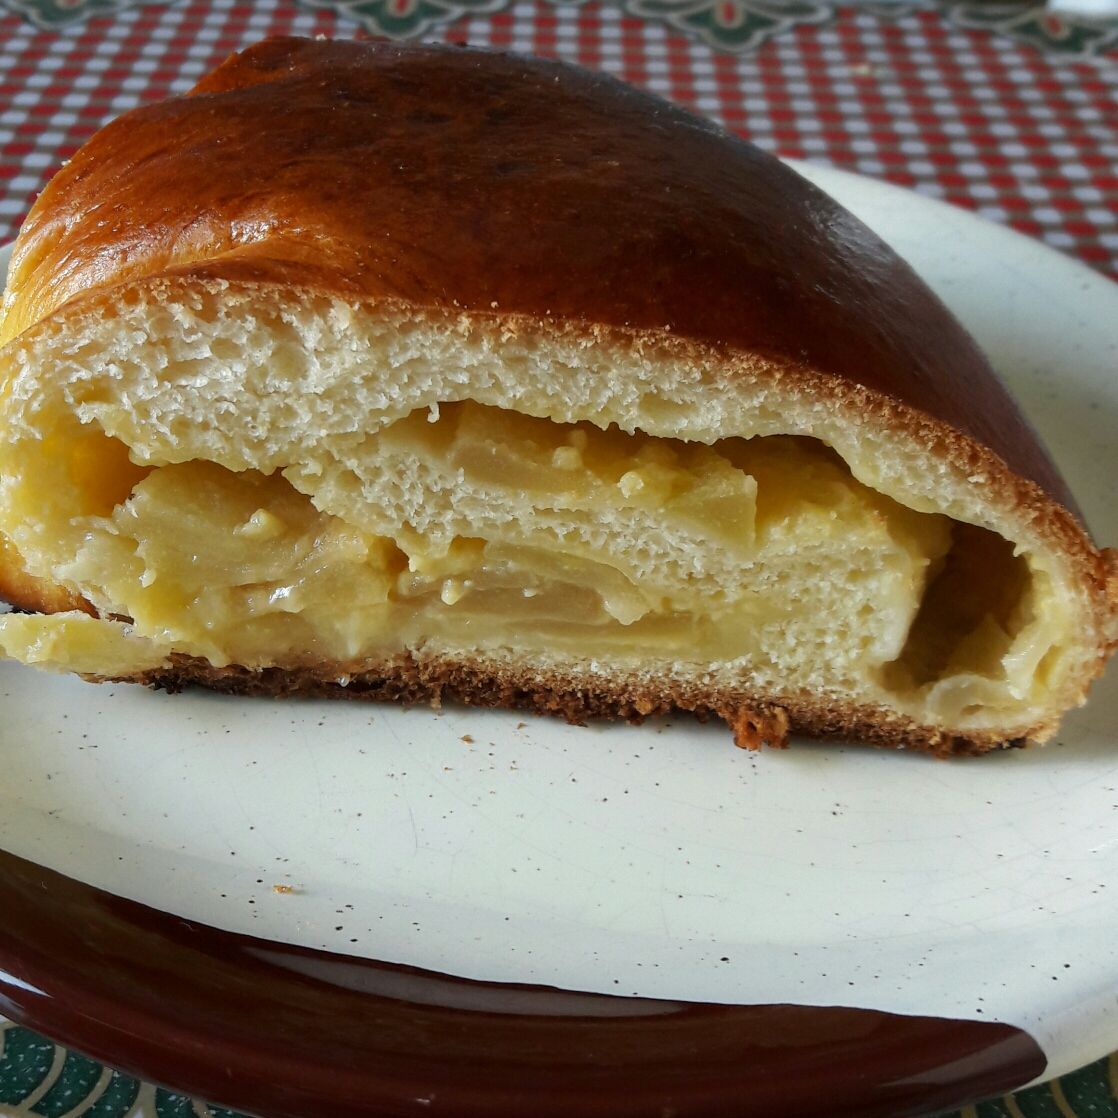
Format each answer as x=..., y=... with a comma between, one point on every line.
x=258, y=482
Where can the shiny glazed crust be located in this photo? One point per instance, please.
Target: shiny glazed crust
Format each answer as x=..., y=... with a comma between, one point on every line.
x=462, y=179
x=510, y=191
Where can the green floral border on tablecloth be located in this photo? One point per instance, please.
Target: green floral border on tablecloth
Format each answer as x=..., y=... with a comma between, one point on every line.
x=39, y=1079
x=734, y=26
x=1035, y=25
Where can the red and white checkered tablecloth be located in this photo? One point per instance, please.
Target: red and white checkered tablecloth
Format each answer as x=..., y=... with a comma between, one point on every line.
x=1024, y=137
x=896, y=91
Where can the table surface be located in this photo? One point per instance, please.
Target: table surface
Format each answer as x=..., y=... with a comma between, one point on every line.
x=999, y=108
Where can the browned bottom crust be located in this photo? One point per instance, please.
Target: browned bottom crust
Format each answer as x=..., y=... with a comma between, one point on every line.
x=756, y=720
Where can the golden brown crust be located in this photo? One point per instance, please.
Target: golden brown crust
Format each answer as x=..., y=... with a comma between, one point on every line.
x=450, y=178
x=577, y=698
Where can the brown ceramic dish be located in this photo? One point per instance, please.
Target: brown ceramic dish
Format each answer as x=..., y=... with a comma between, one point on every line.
x=287, y=1032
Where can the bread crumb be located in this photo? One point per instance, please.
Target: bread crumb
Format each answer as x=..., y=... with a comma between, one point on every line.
x=283, y=888
x=631, y=483
x=467, y=739
x=262, y=525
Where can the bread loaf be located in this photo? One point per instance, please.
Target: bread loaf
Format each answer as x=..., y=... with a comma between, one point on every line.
x=413, y=372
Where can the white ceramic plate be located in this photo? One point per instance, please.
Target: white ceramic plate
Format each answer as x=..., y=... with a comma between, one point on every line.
x=659, y=860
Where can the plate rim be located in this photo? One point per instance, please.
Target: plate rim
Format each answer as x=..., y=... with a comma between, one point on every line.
x=281, y=1030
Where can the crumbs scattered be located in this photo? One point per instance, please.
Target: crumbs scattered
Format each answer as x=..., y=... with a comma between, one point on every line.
x=468, y=739
x=283, y=888
x=521, y=725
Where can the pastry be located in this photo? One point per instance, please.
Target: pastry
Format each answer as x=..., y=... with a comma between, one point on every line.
x=416, y=372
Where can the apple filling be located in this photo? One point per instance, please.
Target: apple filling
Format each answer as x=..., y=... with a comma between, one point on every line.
x=468, y=527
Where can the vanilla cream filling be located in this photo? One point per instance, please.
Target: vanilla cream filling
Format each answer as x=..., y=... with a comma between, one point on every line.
x=470, y=527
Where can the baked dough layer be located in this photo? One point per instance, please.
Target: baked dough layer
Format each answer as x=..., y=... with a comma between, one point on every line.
x=417, y=523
